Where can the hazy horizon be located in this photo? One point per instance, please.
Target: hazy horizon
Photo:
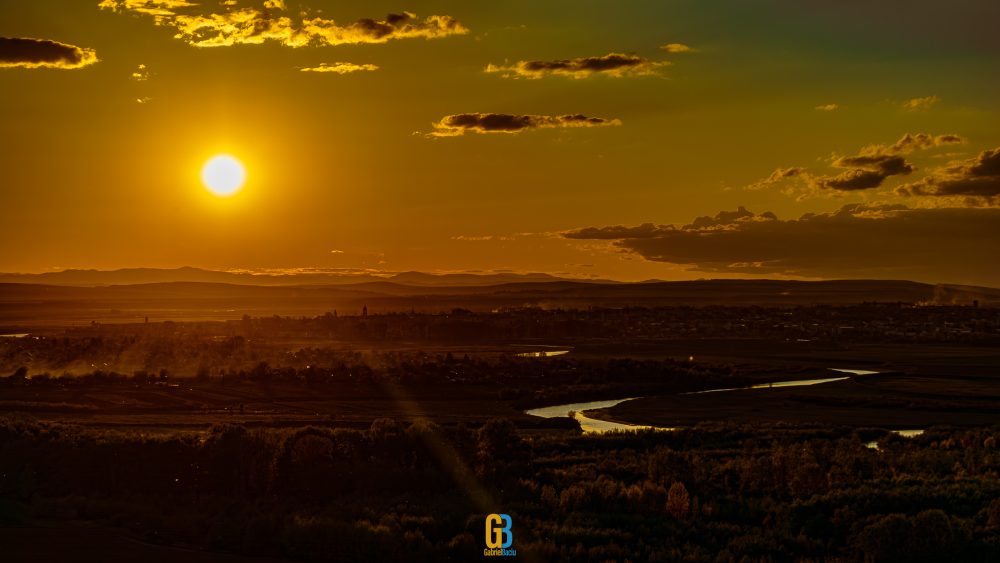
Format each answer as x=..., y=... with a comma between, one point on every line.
x=334, y=276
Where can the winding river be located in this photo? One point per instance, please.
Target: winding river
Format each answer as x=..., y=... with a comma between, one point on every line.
x=597, y=426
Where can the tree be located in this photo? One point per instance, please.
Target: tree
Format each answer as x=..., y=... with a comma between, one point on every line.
x=993, y=514
x=678, y=501
x=887, y=539
x=500, y=450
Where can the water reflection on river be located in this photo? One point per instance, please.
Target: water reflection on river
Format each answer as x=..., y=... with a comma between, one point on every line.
x=542, y=354
x=577, y=410
x=904, y=433
x=797, y=383
x=593, y=425
x=855, y=371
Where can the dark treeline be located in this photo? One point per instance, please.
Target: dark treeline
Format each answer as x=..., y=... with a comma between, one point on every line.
x=524, y=382
x=415, y=492
x=185, y=348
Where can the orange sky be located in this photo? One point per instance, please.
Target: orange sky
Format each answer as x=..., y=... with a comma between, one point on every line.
x=583, y=139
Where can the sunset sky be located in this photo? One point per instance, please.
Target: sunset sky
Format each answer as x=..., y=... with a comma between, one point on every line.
x=671, y=139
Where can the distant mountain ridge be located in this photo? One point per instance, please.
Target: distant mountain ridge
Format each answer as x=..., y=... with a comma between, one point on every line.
x=131, y=276
x=24, y=304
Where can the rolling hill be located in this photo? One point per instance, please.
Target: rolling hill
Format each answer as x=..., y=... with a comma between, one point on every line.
x=47, y=304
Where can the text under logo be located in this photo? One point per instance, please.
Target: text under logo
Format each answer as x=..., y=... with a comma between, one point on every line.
x=499, y=536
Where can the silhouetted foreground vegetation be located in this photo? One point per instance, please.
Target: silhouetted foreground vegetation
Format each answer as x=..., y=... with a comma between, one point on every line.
x=418, y=492
x=127, y=434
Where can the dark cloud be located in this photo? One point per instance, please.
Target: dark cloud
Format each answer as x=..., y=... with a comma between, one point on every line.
x=645, y=230
x=267, y=22
x=394, y=26
x=728, y=219
x=977, y=178
x=877, y=241
x=912, y=142
x=987, y=164
x=883, y=162
x=42, y=53
x=459, y=124
x=875, y=163
x=612, y=64
x=721, y=221
x=866, y=172
x=854, y=180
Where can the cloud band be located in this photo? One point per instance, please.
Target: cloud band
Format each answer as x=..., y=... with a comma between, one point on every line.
x=43, y=53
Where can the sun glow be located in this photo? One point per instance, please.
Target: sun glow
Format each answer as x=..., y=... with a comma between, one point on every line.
x=223, y=175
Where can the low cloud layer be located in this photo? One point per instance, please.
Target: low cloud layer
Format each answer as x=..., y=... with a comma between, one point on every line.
x=876, y=241
x=459, y=124
x=977, y=179
x=612, y=64
x=341, y=68
x=42, y=53
x=268, y=21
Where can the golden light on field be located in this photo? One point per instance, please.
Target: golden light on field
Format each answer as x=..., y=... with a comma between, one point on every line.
x=223, y=175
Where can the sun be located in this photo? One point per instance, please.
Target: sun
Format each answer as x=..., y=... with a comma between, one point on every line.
x=223, y=175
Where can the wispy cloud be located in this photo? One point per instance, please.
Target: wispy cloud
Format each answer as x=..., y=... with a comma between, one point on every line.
x=459, y=124
x=341, y=68
x=43, y=53
x=268, y=22
x=920, y=104
x=481, y=238
x=677, y=48
x=613, y=64
x=157, y=8
x=140, y=74
x=779, y=175
x=828, y=107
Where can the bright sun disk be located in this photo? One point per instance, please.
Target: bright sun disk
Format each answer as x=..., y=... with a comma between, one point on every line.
x=223, y=175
